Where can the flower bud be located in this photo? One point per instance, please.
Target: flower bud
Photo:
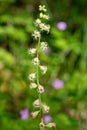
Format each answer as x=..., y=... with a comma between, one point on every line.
x=40, y=89
x=36, y=61
x=33, y=85
x=42, y=126
x=34, y=114
x=50, y=125
x=42, y=8
x=32, y=51
x=45, y=108
x=32, y=76
x=36, y=103
x=44, y=16
x=43, y=69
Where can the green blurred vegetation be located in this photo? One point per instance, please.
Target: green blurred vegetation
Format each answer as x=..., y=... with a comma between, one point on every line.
x=67, y=61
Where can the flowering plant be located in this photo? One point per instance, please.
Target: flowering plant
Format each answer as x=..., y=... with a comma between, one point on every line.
x=41, y=26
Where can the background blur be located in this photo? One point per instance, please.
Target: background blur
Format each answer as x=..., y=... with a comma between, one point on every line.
x=66, y=79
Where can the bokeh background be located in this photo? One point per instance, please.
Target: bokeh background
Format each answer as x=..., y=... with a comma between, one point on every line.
x=66, y=78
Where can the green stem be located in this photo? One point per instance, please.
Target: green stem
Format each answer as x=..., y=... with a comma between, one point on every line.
x=38, y=75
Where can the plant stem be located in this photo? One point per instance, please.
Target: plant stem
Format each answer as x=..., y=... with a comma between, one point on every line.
x=38, y=75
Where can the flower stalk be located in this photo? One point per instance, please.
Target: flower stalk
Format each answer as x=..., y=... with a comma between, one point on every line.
x=38, y=84
x=34, y=77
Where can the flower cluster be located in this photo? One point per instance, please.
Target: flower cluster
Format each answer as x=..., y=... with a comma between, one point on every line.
x=42, y=107
x=39, y=22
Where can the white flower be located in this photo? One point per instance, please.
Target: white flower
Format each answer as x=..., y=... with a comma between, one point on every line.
x=36, y=103
x=47, y=28
x=36, y=34
x=34, y=114
x=44, y=46
x=32, y=51
x=32, y=76
x=40, y=89
x=44, y=16
x=36, y=61
x=33, y=85
x=42, y=8
x=50, y=125
x=37, y=22
x=44, y=27
x=43, y=69
x=42, y=126
x=41, y=15
x=45, y=108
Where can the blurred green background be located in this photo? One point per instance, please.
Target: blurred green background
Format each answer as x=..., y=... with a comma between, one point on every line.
x=66, y=60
